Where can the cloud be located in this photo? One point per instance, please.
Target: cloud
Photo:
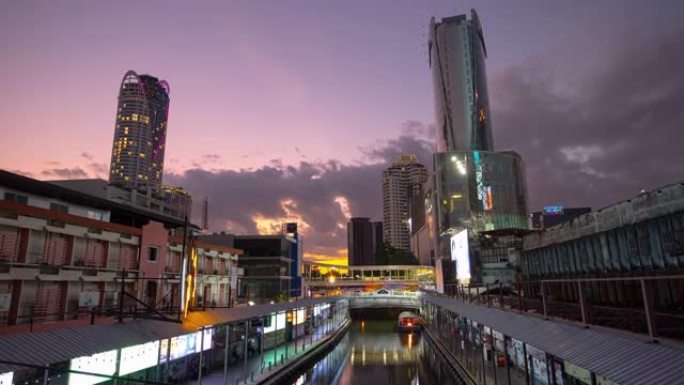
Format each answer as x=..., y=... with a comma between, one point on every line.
x=98, y=170
x=87, y=155
x=319, y=196
x=619, y=131
x=65, y=173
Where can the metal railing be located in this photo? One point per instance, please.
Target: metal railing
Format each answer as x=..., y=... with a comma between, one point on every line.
x=638, y=304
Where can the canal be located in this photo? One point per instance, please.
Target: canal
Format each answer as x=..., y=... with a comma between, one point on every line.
x=373, y=352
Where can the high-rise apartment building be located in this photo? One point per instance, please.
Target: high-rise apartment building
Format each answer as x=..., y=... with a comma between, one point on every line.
x=140, y=132
x=400, y=182
x=457, y=53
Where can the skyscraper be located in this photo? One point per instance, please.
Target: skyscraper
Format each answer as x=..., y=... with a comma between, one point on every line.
x=140, y=132
x=400, y=182
x=360, y=241
x=478, y=193
x=457, y=55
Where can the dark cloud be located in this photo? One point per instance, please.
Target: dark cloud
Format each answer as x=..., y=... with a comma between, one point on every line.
x=65, y=173
x=416, y=138
x=619, y=130
x=309, y=189
x=98, y=170
x=595, y=140
x=87, y=155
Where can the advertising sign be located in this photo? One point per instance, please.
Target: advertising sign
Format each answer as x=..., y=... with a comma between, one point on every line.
x=539, y=366
x=163, y=349
x=6, y=378
x=461, y=254
x=101, y=363
x=138, y=357
x=299, y=316
x=278, y=321
x=187, y=344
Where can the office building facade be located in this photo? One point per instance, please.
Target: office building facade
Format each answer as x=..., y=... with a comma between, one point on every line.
x=137, y=160
x=400, y=182
x=360, y=241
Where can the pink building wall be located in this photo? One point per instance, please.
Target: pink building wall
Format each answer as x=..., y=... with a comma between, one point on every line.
x=153, y=235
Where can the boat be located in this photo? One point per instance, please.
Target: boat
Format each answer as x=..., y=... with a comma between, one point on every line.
x=409, y=322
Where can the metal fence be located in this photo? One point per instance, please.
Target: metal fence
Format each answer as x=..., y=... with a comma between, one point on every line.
x=652, y=305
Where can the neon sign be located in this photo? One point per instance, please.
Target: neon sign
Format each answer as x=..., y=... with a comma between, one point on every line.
x=190, y=278
x=484, y=192
x=554, y=210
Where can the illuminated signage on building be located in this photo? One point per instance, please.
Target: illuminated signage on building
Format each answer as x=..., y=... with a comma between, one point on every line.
x=187, y=344
x=460, y=254
x=189, y=281
x=484, y=192
x=554, y=210
x=319, y=308
x=138, y=357
x=6, y=378
x=101, y=363
x=300, y=316
x=276, y=321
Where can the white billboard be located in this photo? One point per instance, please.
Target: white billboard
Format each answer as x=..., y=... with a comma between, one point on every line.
x=101, y=363
x=138, y=357
x=6, y=378
x=460, y=253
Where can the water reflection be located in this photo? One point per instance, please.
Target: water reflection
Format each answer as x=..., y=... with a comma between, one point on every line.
x=374, y=353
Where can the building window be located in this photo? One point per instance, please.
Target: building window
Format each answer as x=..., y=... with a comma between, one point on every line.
x=153, y=253
x=18, y=198
x=59, y=207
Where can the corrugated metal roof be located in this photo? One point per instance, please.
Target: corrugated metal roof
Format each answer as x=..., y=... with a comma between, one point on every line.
x=621, y=357
x=61, y=345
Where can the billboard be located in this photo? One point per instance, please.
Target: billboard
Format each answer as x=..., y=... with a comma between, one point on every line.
x=101, y=363
x=461, y=254
x=6, y=378
x=138, y=357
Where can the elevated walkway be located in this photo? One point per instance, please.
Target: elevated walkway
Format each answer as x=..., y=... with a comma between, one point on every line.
x=545, y=349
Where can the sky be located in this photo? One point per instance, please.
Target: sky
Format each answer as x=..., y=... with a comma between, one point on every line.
x=291, y=110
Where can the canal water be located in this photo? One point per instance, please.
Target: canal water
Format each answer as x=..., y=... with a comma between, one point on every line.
x=373, y=352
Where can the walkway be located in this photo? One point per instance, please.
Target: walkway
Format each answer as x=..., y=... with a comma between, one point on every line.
x=272, y=358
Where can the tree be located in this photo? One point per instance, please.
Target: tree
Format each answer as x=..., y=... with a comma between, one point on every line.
x=389, y=255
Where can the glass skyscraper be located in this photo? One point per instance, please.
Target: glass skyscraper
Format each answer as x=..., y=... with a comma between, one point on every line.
x=457, y=55
x=477, y=192
x=140, y=132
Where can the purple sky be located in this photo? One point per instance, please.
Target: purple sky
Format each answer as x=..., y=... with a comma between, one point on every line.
x=292, y=110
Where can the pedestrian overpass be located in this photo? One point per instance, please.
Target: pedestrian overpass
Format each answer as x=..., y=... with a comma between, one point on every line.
x=384, y=299
x=319, y=278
